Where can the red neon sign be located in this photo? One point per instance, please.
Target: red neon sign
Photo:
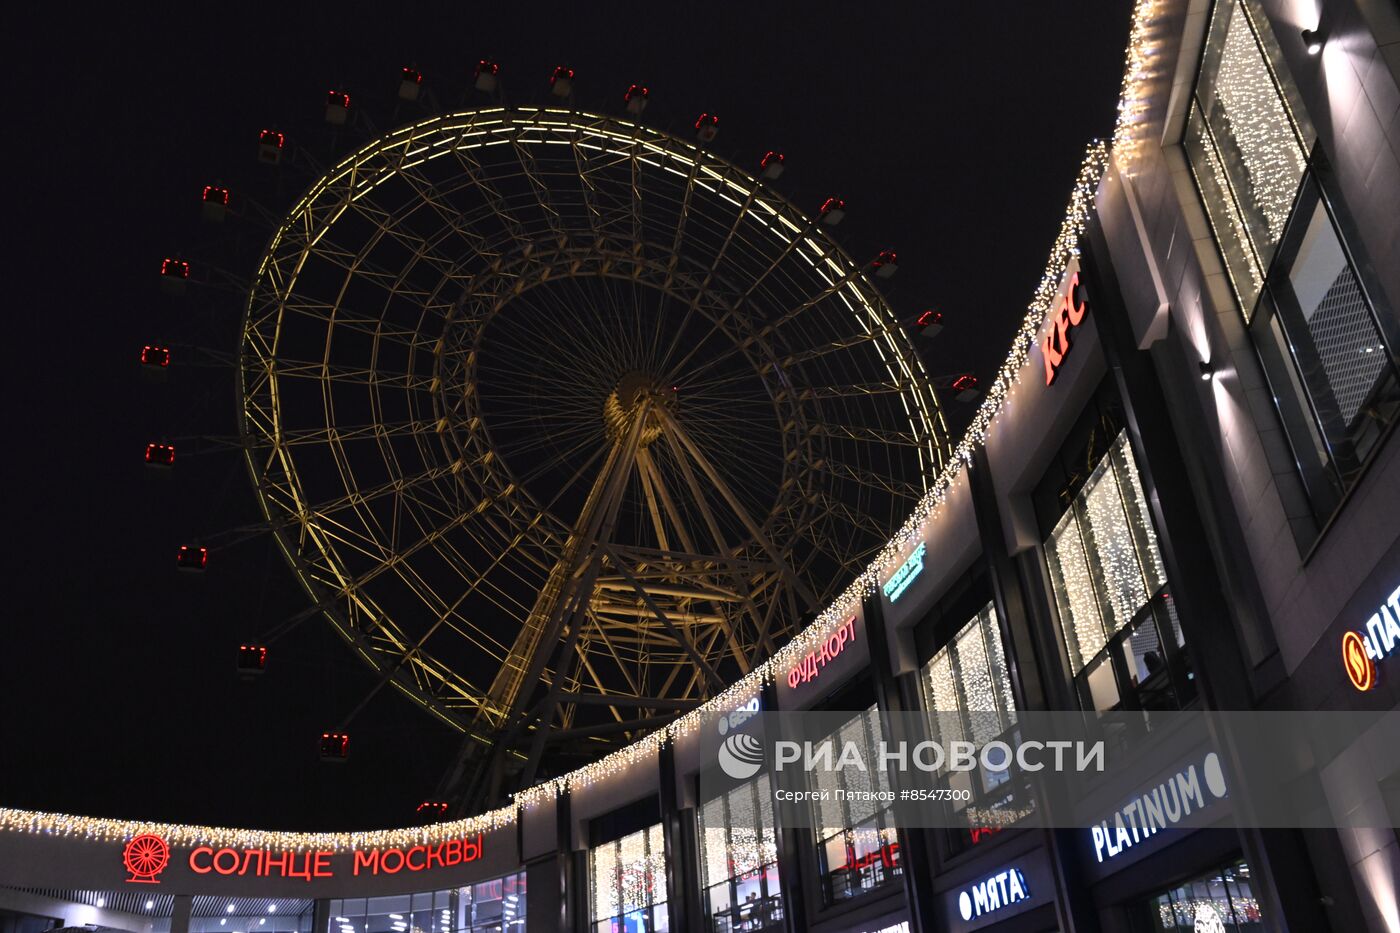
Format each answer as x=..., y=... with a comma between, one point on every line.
x=887, y=855
x=832, y=646
x=321, y=863
x=1056, y=343
x=144, y=857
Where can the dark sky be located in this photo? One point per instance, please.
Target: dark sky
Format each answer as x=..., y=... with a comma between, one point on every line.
x=953, y=131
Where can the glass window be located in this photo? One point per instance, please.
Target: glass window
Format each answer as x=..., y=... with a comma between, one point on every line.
x=739, y=860
x=1245, y=147
x=1328, y=366
x=967, y=693
x=495, y=906
x=857, y=847
x=629, y=883
x=1220, y=902
x=1119, y=624
x=1331, y=373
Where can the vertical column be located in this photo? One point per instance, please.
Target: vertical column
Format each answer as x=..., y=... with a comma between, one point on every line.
x=1282, y=872
x=1030, y=679
x=572, y=867
x=320, y=916
x=180, y=914
x=1037, y=680
x=682, y=871
x=916, y=848
x=794, y=844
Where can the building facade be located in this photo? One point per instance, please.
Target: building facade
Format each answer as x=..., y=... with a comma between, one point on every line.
x=1182, y=492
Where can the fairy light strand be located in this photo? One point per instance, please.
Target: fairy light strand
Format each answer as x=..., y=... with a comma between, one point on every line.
x=1141, y=70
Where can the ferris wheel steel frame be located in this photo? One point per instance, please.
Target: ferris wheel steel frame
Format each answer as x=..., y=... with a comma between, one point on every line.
x=724, y=579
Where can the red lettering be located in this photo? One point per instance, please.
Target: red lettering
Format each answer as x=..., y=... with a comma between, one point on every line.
x=435, y=855
x=369, y=860
x=305, y=872
x=408, y=859
x=197, y=852
x=280, y=861
x=827, y=650
x=1076, y=311
x=454, y=852
x=471, y=849
x=248, y=858
x=384, y=861
x=1068, y=313
x=322, y=868
x=231, y=853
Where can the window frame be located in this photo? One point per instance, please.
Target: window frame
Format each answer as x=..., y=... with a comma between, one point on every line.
x=730, y=919
x=1311, y=530
x=881, y=871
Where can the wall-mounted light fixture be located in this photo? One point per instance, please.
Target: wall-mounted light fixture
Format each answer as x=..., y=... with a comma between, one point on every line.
x=1207, y=371
x=1314, y=39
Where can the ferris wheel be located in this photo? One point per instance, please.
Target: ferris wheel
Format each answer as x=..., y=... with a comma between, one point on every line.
x=564, y=422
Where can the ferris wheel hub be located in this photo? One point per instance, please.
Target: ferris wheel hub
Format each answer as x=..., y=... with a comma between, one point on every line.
x=637, y=395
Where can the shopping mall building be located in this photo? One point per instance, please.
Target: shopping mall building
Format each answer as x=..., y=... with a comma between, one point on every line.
x=1181, y=492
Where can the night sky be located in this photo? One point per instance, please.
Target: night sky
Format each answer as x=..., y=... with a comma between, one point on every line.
x=952, y=131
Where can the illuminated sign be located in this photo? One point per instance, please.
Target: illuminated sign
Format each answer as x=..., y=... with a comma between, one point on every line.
x=1379, y=641
x=887, y=855
x=1360, y=671
x=740, y=715
x=144, y=857
x=1067, y=314
x=831, y=647
x=1163, y=806
x=1000, y=890
x=907, y=573
x=322, y=863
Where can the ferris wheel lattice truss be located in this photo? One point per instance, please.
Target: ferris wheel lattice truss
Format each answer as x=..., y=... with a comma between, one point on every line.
x=564, y=423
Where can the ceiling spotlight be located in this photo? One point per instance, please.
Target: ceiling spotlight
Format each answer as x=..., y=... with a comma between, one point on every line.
x=1207, y=371
x=1313, y=40
x=228, y=909
x=102, y=902
x=150, y=904
x=272, y=908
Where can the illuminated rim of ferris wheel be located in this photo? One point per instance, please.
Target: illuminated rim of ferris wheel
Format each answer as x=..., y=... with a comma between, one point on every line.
x=564, y=422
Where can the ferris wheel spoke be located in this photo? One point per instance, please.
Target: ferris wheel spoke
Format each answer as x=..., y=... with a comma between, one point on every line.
x=832, y=289
x=868, y=435
x=739, y=219
x=873, y=480
x=825, y=251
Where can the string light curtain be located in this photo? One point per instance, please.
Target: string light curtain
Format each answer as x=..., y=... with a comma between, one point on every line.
x=739, y=848
x=1103, y=556
x=968, y=692
x=628, y=878
x=1246, y=147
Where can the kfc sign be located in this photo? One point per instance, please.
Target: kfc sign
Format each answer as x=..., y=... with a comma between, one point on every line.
x=1068, y=314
